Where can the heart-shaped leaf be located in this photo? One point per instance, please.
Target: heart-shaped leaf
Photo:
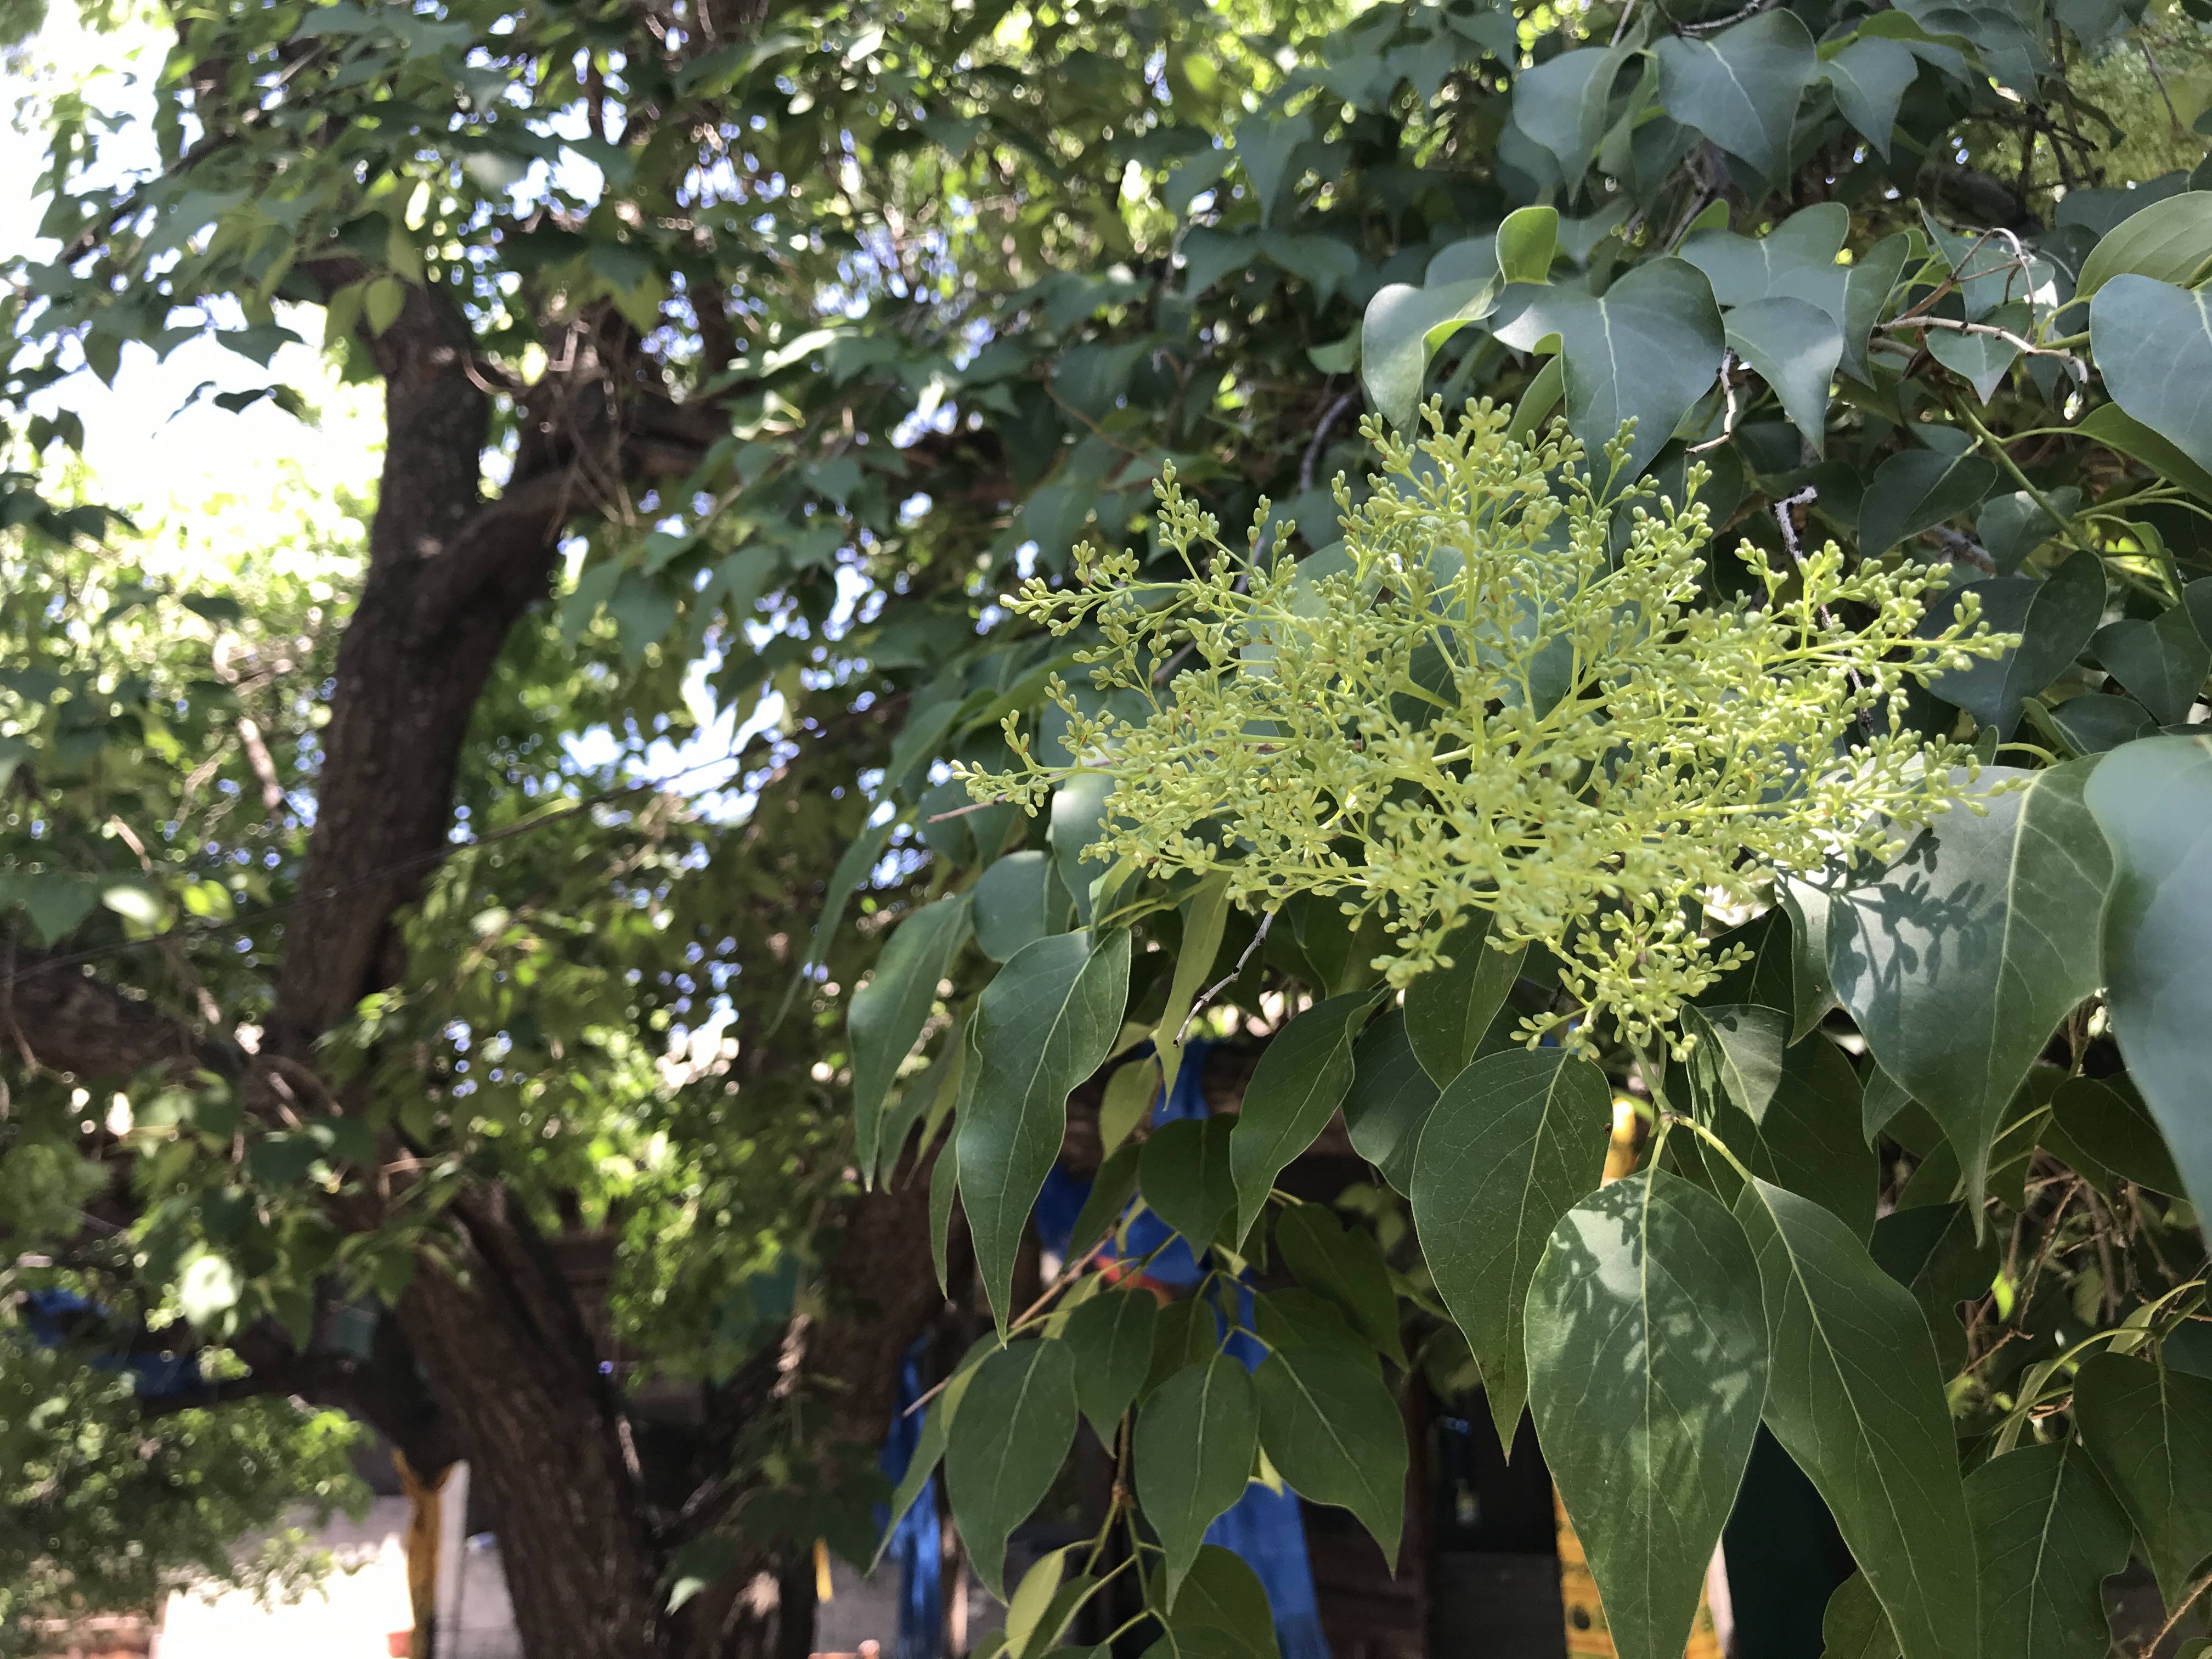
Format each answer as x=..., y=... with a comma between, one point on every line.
x=1741, y=86
x=2149, y=1429
x=2055, y=618
x=2153, y=799
x=1648, y=350
x=1917, y=489
x=1793, y=346
x=1961, y=959
x=2153, y=343
x=2048, y=1534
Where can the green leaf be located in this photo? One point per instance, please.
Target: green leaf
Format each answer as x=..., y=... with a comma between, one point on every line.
x=1111, y=1189
x=1449, y=1011
x=1325, y=264
x=1917, y=489
x=382, y=301
x=1006, y=1445
x=1806, y=1138
x=2048, y=1534
x=2111, y=1126
x=1334, y=1430
x=1982, y=361
x=1222, y=1594
x=1110, y=1338
x=1738, y=1055
x=1647, y=1362
x=1741, y=86
x=1390, y=1099
x=1264, y=146
x=1042, y=1026
x=853, y=866
x=1401, y=329
x=929, y=1445
x=2153, y=343
x=1193, y=1447
x=888, y=1014
x=1018, y=901
x=1527, y=244
x=1961, y=959
x=2055, y=618
x=1562, y=104
x=2094, y=722
x=1855, y=1396
x=944, y=1188
x=1648, y=350
x=1295, y=1090
x=1345, y=1265
x=2149, y=1429
x=1932, y=1250
x=2153, y=799
x=1744, y=271
x=1129, y=1095
x=2169, y=241
x=1298, y=1315
x=1854, y=1625
x=2116, y=429
x=2162, y=662
x=1811, y=995
x=1033, y=1598
x=698, y=1565
x=1793, y=346
x=1869, y=77
x=1209, y=255
x=1515, y=1140
x=1079, y=818
x=1184, y=1175
x=1205, y=919
x=2013, y=526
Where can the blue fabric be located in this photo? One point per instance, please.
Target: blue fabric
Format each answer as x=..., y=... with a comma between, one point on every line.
x=1264, y=1528
x=55, y=1316
x=916, y=1545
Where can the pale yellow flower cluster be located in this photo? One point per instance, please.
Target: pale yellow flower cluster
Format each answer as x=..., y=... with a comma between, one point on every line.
x=1503, y=693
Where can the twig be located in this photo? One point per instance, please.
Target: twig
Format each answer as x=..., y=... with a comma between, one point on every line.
x=1728, y=420
x=962, y=811
x=1696, y=30
x=2195, y=1591
x=2157, y=74
x=1215, y=990
x=1962, y=548
x=2075, y=367
x=1319, y=437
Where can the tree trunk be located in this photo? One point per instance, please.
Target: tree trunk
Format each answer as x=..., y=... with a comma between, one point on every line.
x=511, y=1364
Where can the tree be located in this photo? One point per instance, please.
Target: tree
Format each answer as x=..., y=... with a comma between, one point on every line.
x=795, y=342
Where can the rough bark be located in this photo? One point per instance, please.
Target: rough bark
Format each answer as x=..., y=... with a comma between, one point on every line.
x=510, y=1361
x=512, y=1383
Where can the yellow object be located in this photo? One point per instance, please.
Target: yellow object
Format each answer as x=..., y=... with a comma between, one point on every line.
x=1588, y=1637
x=823, y=1590
x=424, y=1507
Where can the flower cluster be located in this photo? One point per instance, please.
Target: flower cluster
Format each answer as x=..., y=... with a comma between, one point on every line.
x=1506, y=694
